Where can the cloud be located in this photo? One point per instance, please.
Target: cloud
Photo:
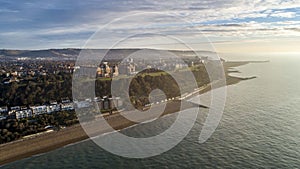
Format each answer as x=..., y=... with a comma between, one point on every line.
x=282, y=14
x=293, y=29
x=8, y=11
x=71, y=22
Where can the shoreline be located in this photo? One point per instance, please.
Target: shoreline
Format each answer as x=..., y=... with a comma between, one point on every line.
x=46, y=142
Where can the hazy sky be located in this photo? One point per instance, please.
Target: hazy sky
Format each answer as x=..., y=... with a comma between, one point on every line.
x=234, y=26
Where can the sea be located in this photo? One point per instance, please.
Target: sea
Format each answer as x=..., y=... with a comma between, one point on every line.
x=260, y=128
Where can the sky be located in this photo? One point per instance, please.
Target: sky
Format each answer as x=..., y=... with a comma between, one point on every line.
x=230, y=26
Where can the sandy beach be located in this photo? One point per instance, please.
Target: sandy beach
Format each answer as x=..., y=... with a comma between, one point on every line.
x=42, y=143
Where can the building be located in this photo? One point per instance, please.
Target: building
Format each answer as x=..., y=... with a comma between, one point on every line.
x=37, y=110
x=53, y=108
x=119, y=102
x=115, y=71
x=82, y=104
x=15, y=108
x=23, y=113
x=67, y=106
x=111, y=103
x=65, y=100
x=108, y=70
x=100, y=72
x=107, y=103
x=104, y=70
x=3, y=110
x=127, y=68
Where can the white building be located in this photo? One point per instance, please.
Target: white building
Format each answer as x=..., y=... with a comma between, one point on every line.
x=53, y=108
x=3, y=109
x=83, y=104
x=15, y=108
x=24, y=113
x=37, y=110
x=67, y=106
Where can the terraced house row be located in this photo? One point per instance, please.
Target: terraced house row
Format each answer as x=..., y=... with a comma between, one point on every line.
x=19, y=112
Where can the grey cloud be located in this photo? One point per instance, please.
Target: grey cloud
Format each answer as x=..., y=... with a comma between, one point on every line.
x=293, y=29
x=232, y=25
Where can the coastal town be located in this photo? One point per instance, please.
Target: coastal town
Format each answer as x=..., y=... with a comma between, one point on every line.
x=40, y=105
x=35, y=89
x=19, y=71
x=149, y=84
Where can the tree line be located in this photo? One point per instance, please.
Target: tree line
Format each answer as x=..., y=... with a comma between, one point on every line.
x=13, y=129
x=57, y=86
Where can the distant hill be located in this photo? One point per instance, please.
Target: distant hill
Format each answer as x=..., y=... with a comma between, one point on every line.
x=72, y=54
x=49, y=53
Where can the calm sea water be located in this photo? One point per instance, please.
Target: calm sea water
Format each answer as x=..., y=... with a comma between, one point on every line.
x=260, y=128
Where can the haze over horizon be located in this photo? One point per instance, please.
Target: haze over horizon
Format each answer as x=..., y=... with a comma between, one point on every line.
x=235, y=26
